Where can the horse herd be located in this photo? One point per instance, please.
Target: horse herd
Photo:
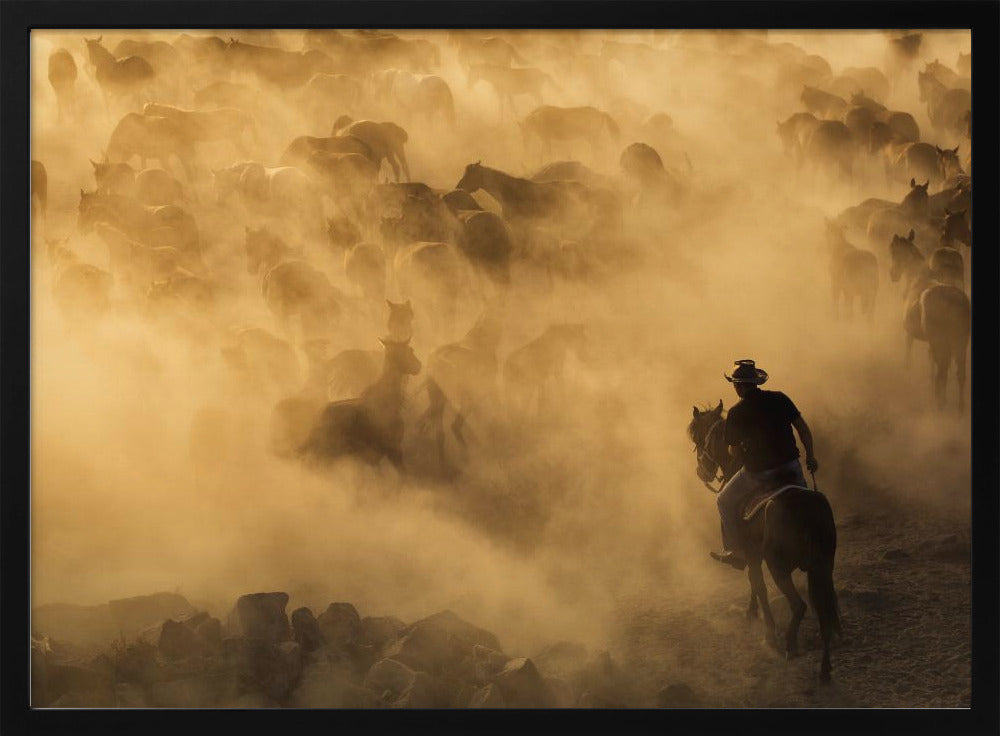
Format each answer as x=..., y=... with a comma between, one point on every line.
x=330, y=243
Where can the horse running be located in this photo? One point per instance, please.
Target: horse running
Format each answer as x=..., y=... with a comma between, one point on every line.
x=792, y=529
x=936, y=313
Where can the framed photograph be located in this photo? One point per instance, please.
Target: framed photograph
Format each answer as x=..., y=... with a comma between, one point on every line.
x=610, y=365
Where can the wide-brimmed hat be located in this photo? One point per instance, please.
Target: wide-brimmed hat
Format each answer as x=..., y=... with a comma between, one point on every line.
x=747, y=372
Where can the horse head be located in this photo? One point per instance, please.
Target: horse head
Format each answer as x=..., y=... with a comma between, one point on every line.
x=904, y=252
x=400, y=356
x=472, y=179
x=700, y=430
x=948, y=161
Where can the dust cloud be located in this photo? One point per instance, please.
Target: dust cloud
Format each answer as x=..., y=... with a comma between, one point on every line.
x=151, y=465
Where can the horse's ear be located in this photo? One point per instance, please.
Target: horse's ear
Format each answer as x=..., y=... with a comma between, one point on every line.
x=938, y=150
x=81, y=191
x=694, y=411
x=913, y=183
x=955, y=150
x=947, y=212
x=92, y=162
x=98, y=39
x=719, y=407
x=926, y=184
x=912, y=235
x=962, y=213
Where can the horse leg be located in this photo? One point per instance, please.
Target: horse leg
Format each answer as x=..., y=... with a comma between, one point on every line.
x=759, y=588
x=783, y=579
x=752, y=606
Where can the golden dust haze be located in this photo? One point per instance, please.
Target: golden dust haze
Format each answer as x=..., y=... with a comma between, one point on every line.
x=151, y=468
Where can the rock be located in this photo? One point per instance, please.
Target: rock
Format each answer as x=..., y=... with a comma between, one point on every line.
x=262, y=665
x=209, y=631
x=561, y=691
x=377, y=631
x=340, y=624
x=422, y=693
x=678, y=695
x=487, y=697
x=87, y=686
x=261, y=616
x=132, y=615
x=138, y=664
x=325, y=685
x=895, y=554
x=486, y=663
x=203, y=690
x=461, y=629
x=429, y=648
x=561, y=658
x=306, y=630
x=454, y=692
x=178, y=641
x=522, y=686
x=391, y=675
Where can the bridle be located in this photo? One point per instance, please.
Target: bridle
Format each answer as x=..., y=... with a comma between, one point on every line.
x=703, y=452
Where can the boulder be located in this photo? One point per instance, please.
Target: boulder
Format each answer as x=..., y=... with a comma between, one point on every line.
x=324, y=684
x=260, y=616
x=678, y=695
x=486, y=663
x=429, y=648
x=132, y=615
x=389, y=675
x=488, y=696
x=461, y=629
x=522, y=686
x=264, y=666
x=138, y=664
x=339, y=624
x=78, y=683
x=377, y=631
x=306, y=630
x=178, y=641
x=422, y=693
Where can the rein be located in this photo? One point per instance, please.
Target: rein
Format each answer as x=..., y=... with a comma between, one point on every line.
x=703, y=451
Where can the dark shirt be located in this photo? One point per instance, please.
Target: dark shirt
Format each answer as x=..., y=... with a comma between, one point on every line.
x=761, y=423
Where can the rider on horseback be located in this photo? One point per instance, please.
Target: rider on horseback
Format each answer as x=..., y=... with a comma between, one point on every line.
x=758, y=434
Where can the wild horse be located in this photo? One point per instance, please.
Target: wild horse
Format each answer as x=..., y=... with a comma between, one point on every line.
x=794, y=528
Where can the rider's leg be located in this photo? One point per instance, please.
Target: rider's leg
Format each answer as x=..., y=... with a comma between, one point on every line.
x=729, y=501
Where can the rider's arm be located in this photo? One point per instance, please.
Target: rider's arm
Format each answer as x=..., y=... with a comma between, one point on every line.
x=805, y=435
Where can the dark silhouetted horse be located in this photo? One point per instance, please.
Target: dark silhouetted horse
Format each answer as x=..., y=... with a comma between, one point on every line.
x=794, y=529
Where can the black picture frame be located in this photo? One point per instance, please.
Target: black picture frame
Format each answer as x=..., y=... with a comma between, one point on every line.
x=983, y=17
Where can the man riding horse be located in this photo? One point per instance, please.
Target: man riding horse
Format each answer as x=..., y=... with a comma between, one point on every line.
x=759, y=436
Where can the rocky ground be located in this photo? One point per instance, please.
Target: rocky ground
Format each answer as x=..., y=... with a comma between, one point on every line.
x=903, y=580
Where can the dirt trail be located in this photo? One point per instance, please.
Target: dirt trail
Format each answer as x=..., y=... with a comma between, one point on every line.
x=903, y=581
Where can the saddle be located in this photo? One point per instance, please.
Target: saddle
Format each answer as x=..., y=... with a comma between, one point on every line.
x=759, y=498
